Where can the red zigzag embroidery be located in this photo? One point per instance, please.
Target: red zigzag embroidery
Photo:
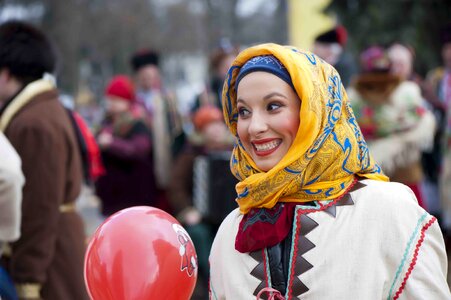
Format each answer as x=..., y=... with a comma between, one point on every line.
x=415, y=256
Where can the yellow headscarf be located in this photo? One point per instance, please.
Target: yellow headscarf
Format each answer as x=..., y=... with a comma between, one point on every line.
x=328, y=150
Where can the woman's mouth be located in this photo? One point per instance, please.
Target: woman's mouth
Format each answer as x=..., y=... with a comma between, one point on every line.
x=266, y=147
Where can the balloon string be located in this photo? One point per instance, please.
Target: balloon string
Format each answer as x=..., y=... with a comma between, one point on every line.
x=274, y=294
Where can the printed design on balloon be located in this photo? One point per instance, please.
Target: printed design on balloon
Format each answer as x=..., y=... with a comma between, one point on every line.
x=186, y=250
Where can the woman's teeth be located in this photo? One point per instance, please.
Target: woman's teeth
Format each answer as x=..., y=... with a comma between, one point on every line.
x=268, y=146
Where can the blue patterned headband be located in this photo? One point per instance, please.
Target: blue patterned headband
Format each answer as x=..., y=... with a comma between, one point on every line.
x=265, y=63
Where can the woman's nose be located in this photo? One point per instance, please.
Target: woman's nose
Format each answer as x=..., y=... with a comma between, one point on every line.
x=258, y=124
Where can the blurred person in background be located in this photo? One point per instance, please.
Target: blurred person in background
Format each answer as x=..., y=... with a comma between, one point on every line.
x=393, y=118
x=402, y=57
x=220, y=60
x=90, y=153
x=401, y=61
x=47, y=260
x=331, y=46
x=11, y=184
x=439, y=80
x=125, y=142
x=166, y=122
x=88, y=108
x=216, y=139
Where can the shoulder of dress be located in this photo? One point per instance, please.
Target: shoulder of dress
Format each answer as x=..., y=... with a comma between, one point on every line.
x=384, y=190
x=392, y=200
x=389, y=210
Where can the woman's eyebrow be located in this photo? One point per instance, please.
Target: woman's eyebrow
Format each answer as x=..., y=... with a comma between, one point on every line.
x=270, y=95
x=267, y=97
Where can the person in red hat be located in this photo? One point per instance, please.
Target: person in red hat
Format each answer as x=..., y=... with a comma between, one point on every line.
x=126, y=145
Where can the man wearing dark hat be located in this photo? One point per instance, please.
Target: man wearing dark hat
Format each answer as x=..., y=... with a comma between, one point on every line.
x=330, y=46
x=147, y=75
x=161, y=105
x=47, y=260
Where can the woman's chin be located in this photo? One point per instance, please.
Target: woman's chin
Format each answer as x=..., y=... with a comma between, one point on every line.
x=266, y=164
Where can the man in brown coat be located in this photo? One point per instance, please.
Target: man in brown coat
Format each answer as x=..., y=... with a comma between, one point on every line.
x=47, y=261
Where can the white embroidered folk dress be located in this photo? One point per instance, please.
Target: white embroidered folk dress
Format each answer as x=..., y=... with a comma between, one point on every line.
x=376, y=243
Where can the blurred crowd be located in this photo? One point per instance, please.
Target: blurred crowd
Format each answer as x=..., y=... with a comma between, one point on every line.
x=134, y=147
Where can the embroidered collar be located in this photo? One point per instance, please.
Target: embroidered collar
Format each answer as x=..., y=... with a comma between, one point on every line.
x=302, y=224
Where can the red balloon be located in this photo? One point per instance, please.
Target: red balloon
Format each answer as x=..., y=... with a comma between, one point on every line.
x=140, y=253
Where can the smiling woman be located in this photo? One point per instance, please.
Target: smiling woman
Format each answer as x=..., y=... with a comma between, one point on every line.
x=268, y=119
x=317, y=219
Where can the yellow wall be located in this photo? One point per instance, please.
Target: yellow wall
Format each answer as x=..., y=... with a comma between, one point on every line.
x=306, y=21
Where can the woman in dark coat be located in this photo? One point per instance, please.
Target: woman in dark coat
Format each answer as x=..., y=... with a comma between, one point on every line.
x=126, y=145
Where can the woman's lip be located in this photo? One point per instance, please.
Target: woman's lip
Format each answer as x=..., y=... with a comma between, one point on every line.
x=264, y=141
x=265, y=152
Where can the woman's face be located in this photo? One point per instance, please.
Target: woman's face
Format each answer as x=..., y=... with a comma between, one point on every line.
x=116, y=105
x=268, y=117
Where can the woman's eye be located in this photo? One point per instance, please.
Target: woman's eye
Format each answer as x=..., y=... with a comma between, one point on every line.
x=273, y=106
x=242, y=112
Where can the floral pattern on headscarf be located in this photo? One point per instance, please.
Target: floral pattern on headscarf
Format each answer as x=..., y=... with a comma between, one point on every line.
x=328, y=151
